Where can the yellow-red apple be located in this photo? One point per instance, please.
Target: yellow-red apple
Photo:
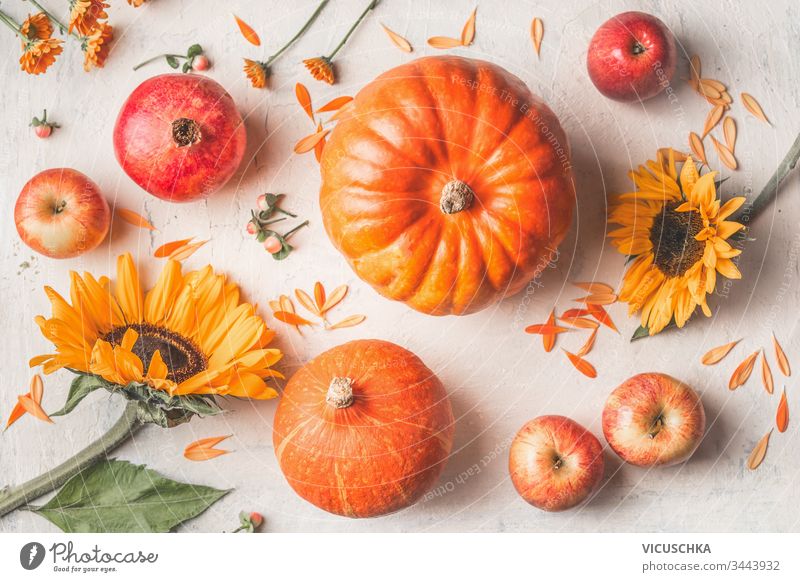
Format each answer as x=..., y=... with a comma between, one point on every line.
x=555, y=463
x=654, y=419
x=61, y=213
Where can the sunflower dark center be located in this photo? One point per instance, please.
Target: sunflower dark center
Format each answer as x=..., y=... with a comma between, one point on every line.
x=674, y=247
x=182, y=357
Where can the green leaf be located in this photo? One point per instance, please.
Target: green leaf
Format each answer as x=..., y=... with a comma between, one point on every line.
x=117, y=496
x=286, y=249
x=187, y=66
x=172, y=61
x=640, y=332
x=158, y=407
x=81, y=387
x=194, y=50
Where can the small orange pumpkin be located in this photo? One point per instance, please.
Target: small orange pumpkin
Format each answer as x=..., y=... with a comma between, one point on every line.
x=363, y=429
x=447, y=184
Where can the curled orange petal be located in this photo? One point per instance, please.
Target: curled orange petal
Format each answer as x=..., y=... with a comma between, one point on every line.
x=167, y=249
x=34, y=408
x=203, y=449
x=247, y=31
x=134, y=218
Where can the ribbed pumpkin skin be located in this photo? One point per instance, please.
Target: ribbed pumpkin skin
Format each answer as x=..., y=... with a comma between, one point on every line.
x=376, y=456
x=410, y=132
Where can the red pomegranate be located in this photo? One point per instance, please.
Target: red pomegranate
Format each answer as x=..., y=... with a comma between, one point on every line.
x=180, y=137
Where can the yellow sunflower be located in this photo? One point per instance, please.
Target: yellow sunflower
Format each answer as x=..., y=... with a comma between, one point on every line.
x=674, y=227
x=189, y=334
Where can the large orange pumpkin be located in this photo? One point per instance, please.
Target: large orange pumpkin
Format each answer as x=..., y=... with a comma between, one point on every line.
x=363, y=429
x=447, y=184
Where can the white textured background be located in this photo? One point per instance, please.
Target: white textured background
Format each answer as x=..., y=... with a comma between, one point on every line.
x=497, y=376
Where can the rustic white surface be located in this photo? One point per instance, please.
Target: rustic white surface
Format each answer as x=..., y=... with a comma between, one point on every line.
x=497, y=376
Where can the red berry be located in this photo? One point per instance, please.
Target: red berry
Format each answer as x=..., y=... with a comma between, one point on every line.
x=43, y=131
x=200, y=63
x=251, y=228
x=273, y=245
x=262, y=203
x=256, y=519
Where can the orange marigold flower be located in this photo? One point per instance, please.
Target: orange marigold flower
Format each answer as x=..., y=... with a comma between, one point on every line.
x=97, y=45
x=257, y=72
x=321, y=69
x=37, y=26
x=85, y=14
x=38, y=55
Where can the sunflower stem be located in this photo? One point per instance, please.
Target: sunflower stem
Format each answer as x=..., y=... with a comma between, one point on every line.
x=770, y=191
x=371, y=5
x=300, y=33
x=16, y=497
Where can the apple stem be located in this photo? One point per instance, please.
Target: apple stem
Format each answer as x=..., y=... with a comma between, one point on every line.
x=558, y=463
x=59, y=208
x=638, y=48
x=656, y=427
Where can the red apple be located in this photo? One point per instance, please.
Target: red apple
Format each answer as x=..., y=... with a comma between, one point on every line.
x=555, y=463
x=61, y=213
x=180, y=137
x=632, y=57
x=654, y=419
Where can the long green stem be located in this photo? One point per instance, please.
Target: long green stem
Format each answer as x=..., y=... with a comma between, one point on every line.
x=9, y=22
x=51, y=16
x=148, y=61
x=300, y=33
x=295, y=229
x=123, y=429
x=371, y=5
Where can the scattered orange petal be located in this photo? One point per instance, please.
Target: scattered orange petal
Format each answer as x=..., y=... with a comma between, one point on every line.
x=334, y=298
x=595, y=288
x=286, y=304
x=468, y=32
x=291, y=318
x=766, y=374
x=602, y=316
x=549, y=339
x=398, y=40
x=203, y=449
x=320, y=144
x=753, y=107
x=335, y=104
x=306, y=301
x=725, y=155
x=576, y=312
x=16, y=413
x=133, y=218
x=309, y=142
x=304, y=99
x=782, y=416
x=167, y=249
x=319, y=295
x=694, y=68
x=248, y=33
x=580, y=322
x=713, y=118
x=715, y=355
x=274, y=305
x=348, y=321
x=186, y=251
x=37, y=389
x=598, y=299
x=581, y=365
x=537, y=34
x=443, y=42
x=759, y=452
x=33, y=408
x=742, y=372
x=546, y=329
x=783, y=361
x=587, y=347
x=697, y=147
x=729, y=131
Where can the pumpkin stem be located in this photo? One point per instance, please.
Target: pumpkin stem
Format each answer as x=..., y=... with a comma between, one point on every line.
x=185, y=132
x=456, y=196
x=340, y=393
